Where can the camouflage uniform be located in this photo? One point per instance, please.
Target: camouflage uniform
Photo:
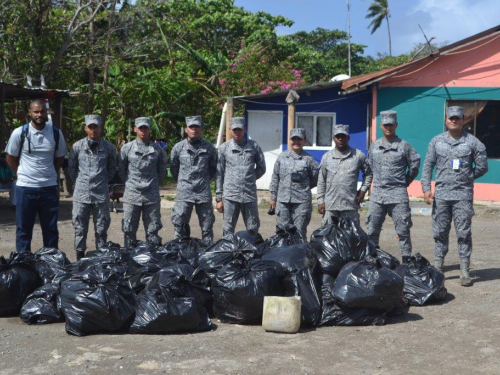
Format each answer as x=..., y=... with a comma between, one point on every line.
x=394, y=165
x=91, y=169
x=193, y=166
x=294, y=198
x=142, y=167
x=454, y=188
x=239, y=166
x=338, y=182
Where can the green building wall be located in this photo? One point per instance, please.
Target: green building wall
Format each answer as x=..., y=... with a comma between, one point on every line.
x=421, y=115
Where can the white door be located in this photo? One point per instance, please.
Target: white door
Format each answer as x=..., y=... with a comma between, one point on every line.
x=266, y=128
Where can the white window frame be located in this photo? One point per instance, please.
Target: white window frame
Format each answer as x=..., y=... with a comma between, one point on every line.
x=315, y=127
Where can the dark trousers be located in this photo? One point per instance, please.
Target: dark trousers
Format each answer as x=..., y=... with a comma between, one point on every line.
x=29, y=202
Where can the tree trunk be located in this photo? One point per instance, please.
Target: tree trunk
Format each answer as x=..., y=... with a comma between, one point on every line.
x=90, y=99
x=106, y=64
x=72, y=29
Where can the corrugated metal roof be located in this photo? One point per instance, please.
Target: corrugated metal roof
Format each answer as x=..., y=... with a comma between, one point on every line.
x=14, y=91
x=352, y=84
x=316, y=86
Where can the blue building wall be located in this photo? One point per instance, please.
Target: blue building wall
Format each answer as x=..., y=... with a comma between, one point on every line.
x=349, y=109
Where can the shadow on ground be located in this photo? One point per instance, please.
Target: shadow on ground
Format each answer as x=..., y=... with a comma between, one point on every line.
x=405, y=318
x=488, y=274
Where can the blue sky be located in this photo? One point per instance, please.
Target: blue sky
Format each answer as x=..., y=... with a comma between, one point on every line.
x=447, y=20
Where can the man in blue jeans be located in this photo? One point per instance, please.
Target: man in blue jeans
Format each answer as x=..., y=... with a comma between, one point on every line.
x=33, y=155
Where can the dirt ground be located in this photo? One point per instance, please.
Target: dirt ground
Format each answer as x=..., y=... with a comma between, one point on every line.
x=458, y=336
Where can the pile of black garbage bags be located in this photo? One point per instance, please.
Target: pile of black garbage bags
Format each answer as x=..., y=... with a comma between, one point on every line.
x=341, y=277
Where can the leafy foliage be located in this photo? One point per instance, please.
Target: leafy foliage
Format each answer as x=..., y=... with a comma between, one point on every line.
x=165, y=59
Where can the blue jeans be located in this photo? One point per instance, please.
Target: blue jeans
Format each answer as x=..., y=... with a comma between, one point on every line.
x=29, y=202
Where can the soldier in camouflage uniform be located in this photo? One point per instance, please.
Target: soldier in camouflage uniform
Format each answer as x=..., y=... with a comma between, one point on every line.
x=459, y=158
x=338, y=194
x=142, y=166
x=91, y=164
x=240, y=164
x=395, y=165
x=193, y=164
x=295, y=174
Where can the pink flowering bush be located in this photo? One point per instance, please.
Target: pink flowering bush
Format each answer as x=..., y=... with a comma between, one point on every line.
x=254, y=70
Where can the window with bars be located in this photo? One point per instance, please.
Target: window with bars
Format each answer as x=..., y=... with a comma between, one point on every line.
x=319, y=128
x=482, y=119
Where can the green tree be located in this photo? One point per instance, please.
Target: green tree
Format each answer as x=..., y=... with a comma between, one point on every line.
x=322, y=54
x=379, y=10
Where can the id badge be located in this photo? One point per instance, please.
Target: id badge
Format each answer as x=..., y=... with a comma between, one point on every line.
x=456, y=164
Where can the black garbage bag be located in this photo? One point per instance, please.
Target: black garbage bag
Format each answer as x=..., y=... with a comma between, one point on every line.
x=387, y=260
x=105, y=262
x=52, y=265
x=145, y=263
x=158, y=312
x=336, y=315
x=96, y=300
x=301, y=283
x=222, y=252
x=292, y=258
x=339, y=243
x=423, y=282
x=110, y=245
x=41, y=306
x=366, y=284
x=284, y=237
x=52, y=255
x=139, y=246
x=188, y=248
x=182, y=280
x=239, y=290
x=18, y=279
x=111, y=250
x=252, y=237
x=333, y=314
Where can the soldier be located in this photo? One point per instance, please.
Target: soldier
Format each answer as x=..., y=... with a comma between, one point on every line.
x=295, y=174
x=394, y=164
x=338, y=194
x=142, y=166
x=459, y=158
x=91, y=164
x=240, y=163
x=193, y=164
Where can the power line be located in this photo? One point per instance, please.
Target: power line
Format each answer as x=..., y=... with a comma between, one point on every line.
x=300, y=104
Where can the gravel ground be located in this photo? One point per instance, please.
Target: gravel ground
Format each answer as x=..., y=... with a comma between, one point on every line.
x=460, y=335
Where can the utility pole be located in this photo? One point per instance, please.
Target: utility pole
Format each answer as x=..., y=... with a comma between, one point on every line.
x=349, y=33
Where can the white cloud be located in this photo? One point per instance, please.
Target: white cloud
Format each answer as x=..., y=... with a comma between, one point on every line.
x=449, y=20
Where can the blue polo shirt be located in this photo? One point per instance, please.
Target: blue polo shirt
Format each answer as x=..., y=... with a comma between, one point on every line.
x=36, y=169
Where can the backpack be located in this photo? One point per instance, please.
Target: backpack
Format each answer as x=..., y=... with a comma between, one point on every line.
x=24, y=135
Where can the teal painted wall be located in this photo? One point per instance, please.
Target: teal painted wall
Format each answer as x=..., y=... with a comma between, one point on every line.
x=421, y=115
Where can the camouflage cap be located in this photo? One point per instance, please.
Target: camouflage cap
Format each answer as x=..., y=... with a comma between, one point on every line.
x=194, y=121
x=237, y=123
x=454, y=111
x=298, y=132
x=388, y=117
x=93, y=119
x=340, y=129
x=142, y=121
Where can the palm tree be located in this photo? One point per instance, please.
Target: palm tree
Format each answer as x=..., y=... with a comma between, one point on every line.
x=379, y=10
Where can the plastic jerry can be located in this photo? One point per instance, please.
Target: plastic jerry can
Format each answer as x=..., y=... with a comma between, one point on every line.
x=281, y=314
